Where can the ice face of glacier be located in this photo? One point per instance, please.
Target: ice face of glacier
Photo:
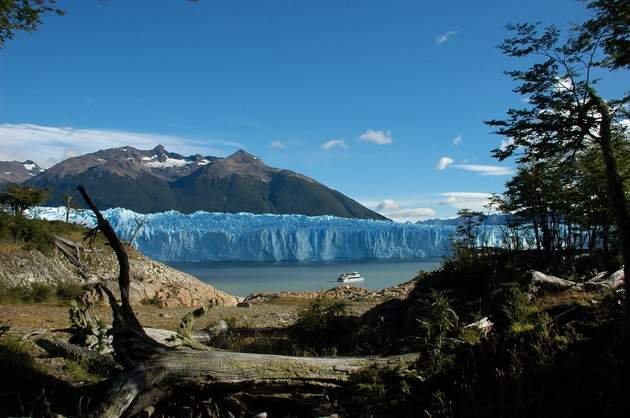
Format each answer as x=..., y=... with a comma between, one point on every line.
x=203, y=236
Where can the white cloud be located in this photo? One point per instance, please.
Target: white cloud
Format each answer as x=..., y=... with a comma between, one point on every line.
x=277, y=144
x=377, y=137
x=334, y=143
x=388, y=204
x=443, y=163
x=485, y=170
x=400, y=212
x=48, y=144
x=465, y=200
x=564, y=84
x=410, y=215
x=458, y=140
x=440, y=39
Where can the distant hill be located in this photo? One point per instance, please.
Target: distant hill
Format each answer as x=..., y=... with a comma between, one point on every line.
x=18, y=172
x=157, y=180
x=495, y=219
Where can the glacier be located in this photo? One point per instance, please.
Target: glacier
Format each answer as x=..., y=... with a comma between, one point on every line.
x=204, y=236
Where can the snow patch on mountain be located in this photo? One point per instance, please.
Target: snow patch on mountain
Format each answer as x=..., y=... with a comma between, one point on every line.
x=168, y=162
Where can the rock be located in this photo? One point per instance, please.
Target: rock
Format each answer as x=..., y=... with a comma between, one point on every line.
x=220, y=327
x=598, y=277
x=244, y=305
x=616, y=279
x=346, y=292
x=601, y=282
x=546, y=283
x=484, y=324
x=150, y=280
x=164, y=315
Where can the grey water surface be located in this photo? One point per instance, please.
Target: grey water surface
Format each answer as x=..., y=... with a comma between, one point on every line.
x=243, y=278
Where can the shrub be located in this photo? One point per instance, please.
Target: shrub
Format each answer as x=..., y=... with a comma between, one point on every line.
x=67, y=291
x=40, y=292
x=324, y=327
x=152, y=301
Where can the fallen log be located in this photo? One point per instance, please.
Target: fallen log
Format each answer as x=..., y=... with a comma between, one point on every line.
x=152, y=371
x=544, y=283
x=95, y=362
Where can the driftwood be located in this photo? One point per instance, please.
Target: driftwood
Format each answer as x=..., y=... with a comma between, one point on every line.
x=95, y=362
x=153, y=371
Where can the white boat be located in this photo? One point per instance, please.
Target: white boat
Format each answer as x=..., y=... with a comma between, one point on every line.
x=350, y=277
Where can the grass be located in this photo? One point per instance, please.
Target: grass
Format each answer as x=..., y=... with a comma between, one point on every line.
x=79, y=372
x=37, y=234
x=60, y=293
x=152, y=301
x=14, y=357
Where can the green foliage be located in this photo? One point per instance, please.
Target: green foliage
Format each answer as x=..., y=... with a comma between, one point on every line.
x=40, y=293
x=14, y=357
x=611, y=21
x=323, y=327
x=17, y=198
x=35, y=234
x=23, y=15
x=385, y=391
x=77, y=371
x=152, y=301
x=565, y=125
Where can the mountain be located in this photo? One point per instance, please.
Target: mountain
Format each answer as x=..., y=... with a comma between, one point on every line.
x=17, y=172
x=148, y=181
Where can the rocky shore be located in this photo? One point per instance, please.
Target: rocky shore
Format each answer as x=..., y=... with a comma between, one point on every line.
x=347, y=292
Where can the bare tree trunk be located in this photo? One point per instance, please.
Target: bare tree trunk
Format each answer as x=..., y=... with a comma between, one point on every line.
x=616, y=192
x=152, y=371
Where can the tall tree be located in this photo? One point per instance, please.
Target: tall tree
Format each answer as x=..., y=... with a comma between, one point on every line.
x=611, y=21
x=566, y=113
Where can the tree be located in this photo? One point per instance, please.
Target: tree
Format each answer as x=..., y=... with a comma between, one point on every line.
x=19, y=198
x=612, y=18
x=140, y=222
x=566, y=113
x=23, y=15
x=466, y=233
x=67, y=202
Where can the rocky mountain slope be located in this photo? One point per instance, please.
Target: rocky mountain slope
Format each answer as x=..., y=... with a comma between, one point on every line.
x=152, y=282
x=156, y=180
x=18, y=172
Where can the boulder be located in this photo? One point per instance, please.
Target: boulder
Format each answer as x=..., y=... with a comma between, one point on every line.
x=484, y=325
x=602, y=281
x=544, y=283
x=219, y=328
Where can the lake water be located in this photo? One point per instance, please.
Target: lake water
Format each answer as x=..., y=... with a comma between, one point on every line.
x=243, y=278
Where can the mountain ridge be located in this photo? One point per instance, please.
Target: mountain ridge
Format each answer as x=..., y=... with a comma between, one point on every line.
x=156, y=180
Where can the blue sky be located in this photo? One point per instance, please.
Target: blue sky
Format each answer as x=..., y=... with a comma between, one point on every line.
x=365, y=96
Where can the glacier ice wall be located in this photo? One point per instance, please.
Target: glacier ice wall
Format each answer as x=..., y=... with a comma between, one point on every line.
x=203, y=236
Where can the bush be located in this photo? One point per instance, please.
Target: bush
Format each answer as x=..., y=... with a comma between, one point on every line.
x=68, y=291
x=324, y=327
x=40, y=293
x=36, y=234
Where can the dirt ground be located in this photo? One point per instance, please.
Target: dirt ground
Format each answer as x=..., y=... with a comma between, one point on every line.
x=281, y=312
